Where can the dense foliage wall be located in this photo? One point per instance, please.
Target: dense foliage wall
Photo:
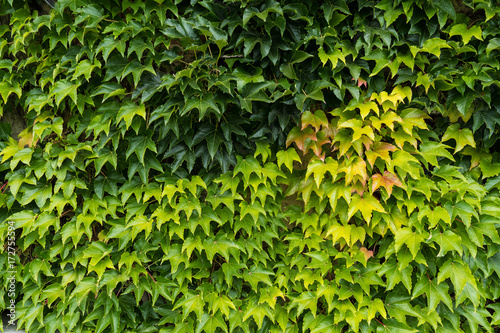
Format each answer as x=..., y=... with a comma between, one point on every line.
x=251, y=166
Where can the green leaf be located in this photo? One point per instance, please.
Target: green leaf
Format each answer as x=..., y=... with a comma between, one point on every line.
x=365, y=108
x=63, y=89
x=306, y=300
x=263, y=149
x=210, y=323
x=476, y=317
x=231, y=269
x=188, y=205
x=97, y=251
x=203, y=104
x=128, y=111
x=24, y=155
x=6, y=89
x=393, y=326
x=458, y=273
x=398, y=306
x=258, y=312
x=467, y=34
x=492, y=45
x=410, y=238
x=82, y=289
x=413, y=118
x=434, y=216
x=434, y=45
x=37, y=266
x=258, y=274
x=447, y=241
x=446, y=6
x=315, y=120
x=138, y=145
x=462, y=137
x=319, y=169
x=247, y=166
x=218, y=245
x=366, y=204
x=191, y=302
x=435, y=292
x=108, y=44
x=85, y=68
x=431, y=150
x=222, y=303
x=254, y=209
x=287, y=157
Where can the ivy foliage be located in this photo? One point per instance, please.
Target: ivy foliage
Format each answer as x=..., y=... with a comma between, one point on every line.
x=252, y=166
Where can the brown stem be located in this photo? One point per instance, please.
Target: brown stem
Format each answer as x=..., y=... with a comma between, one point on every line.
x=152, y=277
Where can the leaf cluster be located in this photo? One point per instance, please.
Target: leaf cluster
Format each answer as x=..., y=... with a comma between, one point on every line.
x=252, y=166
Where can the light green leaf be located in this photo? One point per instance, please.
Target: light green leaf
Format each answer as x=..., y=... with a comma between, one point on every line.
x=467, y=34
x=63, y=89
x=287, y=157
x=462, y=137
x=128, y=111
x=191, y=302
x=447, y=241
x=366, y=204
x=458, y=273
x=410, y=238
x=306, y=300
x=320, y=168
x=435, y=292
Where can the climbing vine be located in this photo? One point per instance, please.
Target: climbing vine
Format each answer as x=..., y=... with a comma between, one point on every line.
x=251, y=166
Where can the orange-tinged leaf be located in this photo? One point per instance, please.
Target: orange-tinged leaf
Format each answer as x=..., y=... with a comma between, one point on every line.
x=387, y=180
x=316, y=120
x=368, y=254
x=316, y=146
x=367, y=142
x=359, y=188
x=26, y=138
x=380, y=149
x=300, y=137
x=360, y=82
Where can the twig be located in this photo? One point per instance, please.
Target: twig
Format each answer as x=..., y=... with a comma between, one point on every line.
x=66, y=212
x=152, y=277
x=233, y=56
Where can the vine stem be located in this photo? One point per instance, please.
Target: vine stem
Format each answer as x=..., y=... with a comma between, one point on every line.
x=152, y=277
x=66, y=212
